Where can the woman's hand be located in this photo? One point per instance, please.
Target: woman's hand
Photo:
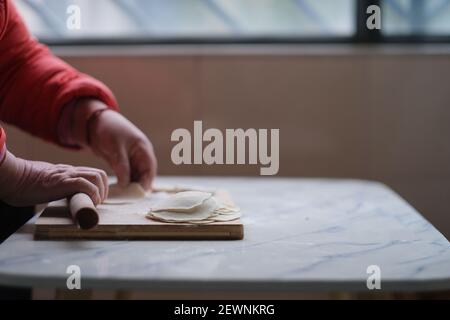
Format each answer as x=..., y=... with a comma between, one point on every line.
x=112, y=137
x=26, y=183
x=127, y=150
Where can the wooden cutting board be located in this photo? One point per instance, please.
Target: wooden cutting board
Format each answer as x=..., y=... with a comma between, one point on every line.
x=130, y=223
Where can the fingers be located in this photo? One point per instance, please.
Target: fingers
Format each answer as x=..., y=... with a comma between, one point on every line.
x=81, y=185
x=143, y=164
x=97, y=179
x=126, y=149
x=153, y=165
x=121, y=166
x=146, y=180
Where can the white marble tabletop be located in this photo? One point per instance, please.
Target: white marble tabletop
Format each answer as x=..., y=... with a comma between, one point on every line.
x=300, y=235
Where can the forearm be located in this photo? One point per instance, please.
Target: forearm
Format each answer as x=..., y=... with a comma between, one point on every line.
x=26, y=183
x=73, y=124
x=11, y=174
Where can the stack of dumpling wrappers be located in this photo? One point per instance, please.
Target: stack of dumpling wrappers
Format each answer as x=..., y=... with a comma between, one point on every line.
x=196, y=207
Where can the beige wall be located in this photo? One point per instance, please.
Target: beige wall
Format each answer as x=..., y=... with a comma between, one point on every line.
x=342, y=112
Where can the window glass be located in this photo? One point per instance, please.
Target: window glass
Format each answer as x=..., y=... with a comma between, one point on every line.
x=416, y=17
x=156, y=19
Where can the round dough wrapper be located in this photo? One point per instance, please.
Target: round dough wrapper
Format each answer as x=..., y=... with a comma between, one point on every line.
x=207, y=221
x=217, y=218
x=198, y=222
x=227, y=210
x=187, y=201
x=203, y=212
x=124, y=195
x=225, y=217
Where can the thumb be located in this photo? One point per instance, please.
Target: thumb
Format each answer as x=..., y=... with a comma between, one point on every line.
x=121, y=166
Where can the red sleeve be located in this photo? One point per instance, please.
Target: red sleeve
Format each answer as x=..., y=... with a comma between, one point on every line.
x=35, y=85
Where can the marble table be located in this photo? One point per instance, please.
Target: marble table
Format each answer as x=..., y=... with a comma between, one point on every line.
x=300, y=235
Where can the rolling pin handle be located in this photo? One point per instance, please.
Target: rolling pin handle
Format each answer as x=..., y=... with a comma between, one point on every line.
x=83, y=211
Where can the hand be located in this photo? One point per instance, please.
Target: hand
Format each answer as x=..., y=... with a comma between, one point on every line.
x=26, y=183
x=112, y=137
x=127, y=150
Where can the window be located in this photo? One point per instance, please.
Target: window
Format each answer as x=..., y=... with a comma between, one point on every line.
x=147, y=21
x=416, y=17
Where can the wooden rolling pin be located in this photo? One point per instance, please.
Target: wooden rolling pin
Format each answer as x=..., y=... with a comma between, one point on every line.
x=83, y=211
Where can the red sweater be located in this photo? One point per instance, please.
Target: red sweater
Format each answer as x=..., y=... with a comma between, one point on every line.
x=34, y=84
